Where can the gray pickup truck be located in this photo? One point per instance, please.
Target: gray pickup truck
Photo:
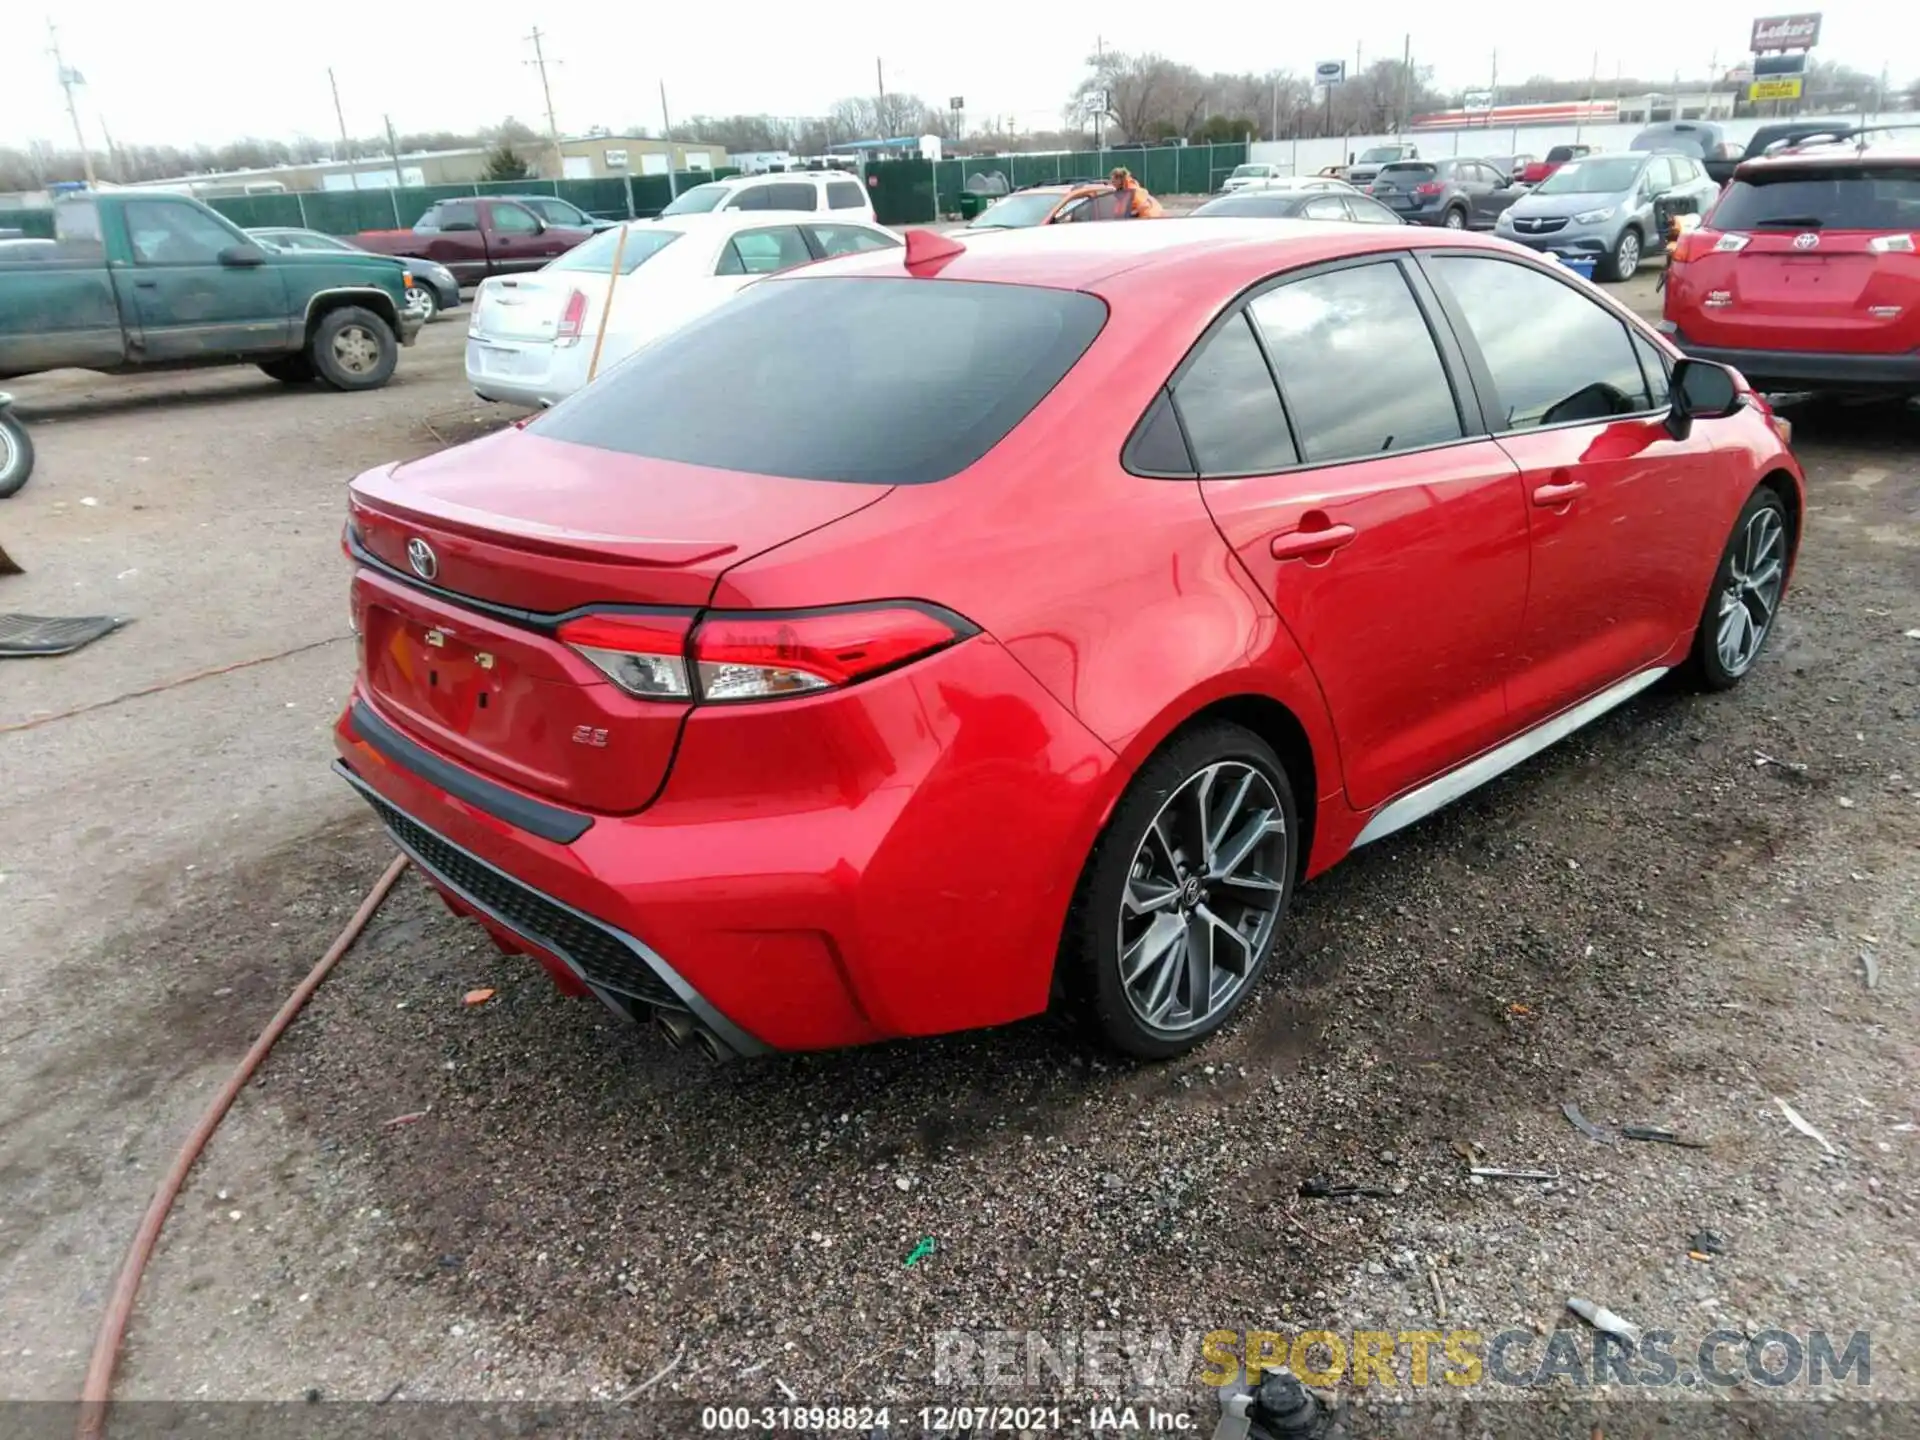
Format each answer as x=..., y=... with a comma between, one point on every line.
x=148, y=280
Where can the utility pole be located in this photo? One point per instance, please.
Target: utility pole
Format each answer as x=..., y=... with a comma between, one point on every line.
x=666, y=132
x=113, y=154
x=1100, y=95
x=68, y=79
x=393, y=149
x=1406, y=86
x=1274, y=132
x=346, y=145
x=1593, y=86
x=546, y=89
x=880, y=104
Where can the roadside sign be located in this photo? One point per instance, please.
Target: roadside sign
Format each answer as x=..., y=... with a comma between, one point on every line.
x=1330, y=72
x=957, y=102
x=1793, y=62
x=1780, y=87
x=1786, y=32
x=1477, y=100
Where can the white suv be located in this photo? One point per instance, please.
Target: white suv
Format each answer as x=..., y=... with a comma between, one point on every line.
x=799, y=190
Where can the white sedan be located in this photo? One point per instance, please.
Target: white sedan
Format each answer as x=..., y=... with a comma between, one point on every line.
x=531, y=338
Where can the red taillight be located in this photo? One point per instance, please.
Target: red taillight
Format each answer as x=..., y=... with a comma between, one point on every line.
x=1428, y=187
x=644, y=654
x=749, y=655
x=1692, y=244
x=572, y=318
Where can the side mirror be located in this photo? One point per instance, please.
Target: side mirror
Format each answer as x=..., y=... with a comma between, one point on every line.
x=1700, y=390
x=244, y=254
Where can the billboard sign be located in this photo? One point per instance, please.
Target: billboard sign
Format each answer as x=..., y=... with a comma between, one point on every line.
x=1780, y=87
x=1786, y=32
x=1330, y=72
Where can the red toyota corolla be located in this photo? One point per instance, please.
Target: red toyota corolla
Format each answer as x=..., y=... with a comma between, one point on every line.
x=918, y=640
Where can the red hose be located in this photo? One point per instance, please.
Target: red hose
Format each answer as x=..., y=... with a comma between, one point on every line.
x=97, y=1392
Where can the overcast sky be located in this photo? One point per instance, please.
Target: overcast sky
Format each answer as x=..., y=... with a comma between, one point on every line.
x=181, y=71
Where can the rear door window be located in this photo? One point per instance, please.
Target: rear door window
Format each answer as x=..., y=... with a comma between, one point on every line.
x=1850, y=197
x=1357, y=365
x=845, y=195
x=851, y=239
x=1557, y=357
x=792, y=195
x=1325, y=207
x=514, y=220
x=451, y=215
x=879, y=381
x=764, y=252
x=1229, y=408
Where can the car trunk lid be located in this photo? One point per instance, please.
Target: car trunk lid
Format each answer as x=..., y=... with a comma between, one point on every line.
x=470, y=558
x=531, y=308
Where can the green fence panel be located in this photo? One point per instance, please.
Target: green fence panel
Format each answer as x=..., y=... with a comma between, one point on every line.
x=347, y=212
x=517, y=187
x=250, y=212
x=605, y=197
x=32, y=224
x=1159, y=169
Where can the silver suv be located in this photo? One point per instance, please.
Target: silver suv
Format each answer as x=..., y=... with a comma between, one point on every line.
x=1610, y=207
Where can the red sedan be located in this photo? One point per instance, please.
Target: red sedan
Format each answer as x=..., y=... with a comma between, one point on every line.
x=925, y=638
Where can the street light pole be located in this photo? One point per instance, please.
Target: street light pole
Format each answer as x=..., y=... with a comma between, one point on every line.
x=68, y=79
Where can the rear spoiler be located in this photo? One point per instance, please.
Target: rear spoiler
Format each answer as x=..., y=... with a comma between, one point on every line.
x=1833, y=137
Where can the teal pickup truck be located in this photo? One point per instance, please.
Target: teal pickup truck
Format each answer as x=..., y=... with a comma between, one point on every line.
x=145, y=280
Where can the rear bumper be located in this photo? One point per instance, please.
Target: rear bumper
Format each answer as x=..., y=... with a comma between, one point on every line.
x=1807, y=369
x=894, y=859
x=547, y=375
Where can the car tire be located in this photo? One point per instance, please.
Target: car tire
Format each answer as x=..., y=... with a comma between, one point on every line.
x=1454, y=219
x=289, y=369
x=353, y=349
x=1624, y=262
x=1738, y=617
x=422, y=298
x=1129, y=956
x=16, y=455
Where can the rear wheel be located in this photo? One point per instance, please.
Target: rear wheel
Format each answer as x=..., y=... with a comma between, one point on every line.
x=1740, y=608
x=1624, y=263
x=289, y=369
x=1184, y=893
x=353, y=349
x=1455, y=220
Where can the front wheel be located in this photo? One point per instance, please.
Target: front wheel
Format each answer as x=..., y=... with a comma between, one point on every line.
x=353, y=349
x=1184, y=893
x=1740, y=608
x=16, y=455
x=1625, y=260
x=422, y=298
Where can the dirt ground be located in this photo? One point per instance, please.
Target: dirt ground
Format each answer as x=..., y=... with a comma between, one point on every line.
x=1662, y=920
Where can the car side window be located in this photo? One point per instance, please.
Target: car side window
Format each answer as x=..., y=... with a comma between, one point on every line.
x=456, y=215
x=764, y=252
x=792, y=195
x=1655, y=369
x=1357, y=364
x=1324, y=207
x=1229, y=408
x=514, y=220
x=1369, y=212
x=754, y=197
x=851, y=239
x=1659, y=177
x=1557, y=357
x=845, y=195
x=172, y=232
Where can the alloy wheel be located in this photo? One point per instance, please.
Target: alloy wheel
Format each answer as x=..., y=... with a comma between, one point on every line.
x=356, y=349
x=1456, y=221
x=1756, y=571
x=1629, y=254
x=422, y=299
x=1203, y=895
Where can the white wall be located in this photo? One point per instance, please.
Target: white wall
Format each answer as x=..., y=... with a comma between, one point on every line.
x=1307, y=156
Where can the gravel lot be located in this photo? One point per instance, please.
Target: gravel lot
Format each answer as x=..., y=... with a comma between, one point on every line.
x=1661, y=920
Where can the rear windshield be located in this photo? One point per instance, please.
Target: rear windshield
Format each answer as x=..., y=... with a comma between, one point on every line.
x=1691, y=140
x=1853, y=197
x=1379, y=154
x=1017, y=212
x=878, y=380
x=1286, y=202
x=1410, y=169
x=698, y=200
x=596, y=253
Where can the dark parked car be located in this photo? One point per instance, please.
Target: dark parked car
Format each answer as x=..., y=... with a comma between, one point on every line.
x=1696, y=138
x=555, y=211
x=433, y=288
x=1727, y=157
x=1456, y=193
x=1300, y=205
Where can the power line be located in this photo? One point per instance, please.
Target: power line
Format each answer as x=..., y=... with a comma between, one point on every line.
x=69, y=78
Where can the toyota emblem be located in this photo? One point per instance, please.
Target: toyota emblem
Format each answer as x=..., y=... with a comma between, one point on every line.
x=1805, y=241
x=421, y=557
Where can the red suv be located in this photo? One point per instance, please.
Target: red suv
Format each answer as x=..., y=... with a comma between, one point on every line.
x=916, y=640
x=1806, y=273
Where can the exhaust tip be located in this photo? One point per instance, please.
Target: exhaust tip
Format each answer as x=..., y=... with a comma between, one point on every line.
x=674, y=1027
x=710, y=1043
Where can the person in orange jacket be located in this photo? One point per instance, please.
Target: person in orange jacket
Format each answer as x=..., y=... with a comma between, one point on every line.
x=1130, y=200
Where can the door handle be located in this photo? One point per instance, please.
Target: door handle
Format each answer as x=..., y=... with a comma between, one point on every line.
x=1562, y=493
x=1299, y=544
x=146, y=284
